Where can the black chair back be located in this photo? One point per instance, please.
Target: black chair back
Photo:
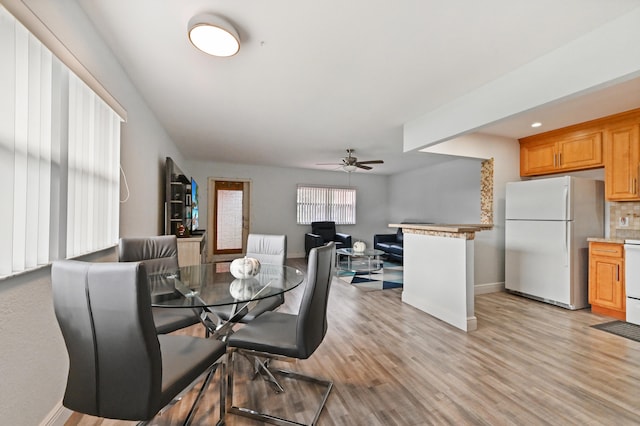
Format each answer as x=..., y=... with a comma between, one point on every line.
x=312, y=316
x=326, y=229
x=115, y=362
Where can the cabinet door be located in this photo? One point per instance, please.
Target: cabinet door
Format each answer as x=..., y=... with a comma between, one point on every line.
x=580, y=152
x=606, y=283
x=622, y=159
x=537, y=158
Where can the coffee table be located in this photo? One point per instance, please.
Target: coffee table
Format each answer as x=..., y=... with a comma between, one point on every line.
x=349, y=260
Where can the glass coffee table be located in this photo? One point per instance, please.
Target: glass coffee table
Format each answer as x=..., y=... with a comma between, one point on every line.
x=349, y=260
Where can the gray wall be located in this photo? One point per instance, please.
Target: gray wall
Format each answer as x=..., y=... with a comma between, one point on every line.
x=273, y=199
x=444, y=193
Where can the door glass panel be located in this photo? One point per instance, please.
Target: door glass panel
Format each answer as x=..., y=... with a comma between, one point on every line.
x=229, y=220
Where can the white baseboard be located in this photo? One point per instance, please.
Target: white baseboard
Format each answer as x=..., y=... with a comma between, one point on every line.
x=489, y=288
x=58, y=416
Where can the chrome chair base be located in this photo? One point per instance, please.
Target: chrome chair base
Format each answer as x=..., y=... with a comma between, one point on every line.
x=264, y=366
x=203, y=388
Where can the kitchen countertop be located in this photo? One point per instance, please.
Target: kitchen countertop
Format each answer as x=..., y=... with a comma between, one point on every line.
x=443, y=227
x=606, y=240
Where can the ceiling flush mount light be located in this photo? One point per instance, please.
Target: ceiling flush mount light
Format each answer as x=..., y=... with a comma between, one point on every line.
x=536, y=124
x=213, y=35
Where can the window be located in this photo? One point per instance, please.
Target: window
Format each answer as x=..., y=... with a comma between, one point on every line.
x=317, y=203
x=59, y=157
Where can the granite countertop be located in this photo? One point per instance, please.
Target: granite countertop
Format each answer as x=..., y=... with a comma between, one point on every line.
x=617, y=240
x=455, y=228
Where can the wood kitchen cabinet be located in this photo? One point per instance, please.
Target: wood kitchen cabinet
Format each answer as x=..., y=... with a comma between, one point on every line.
x=622, y=161
x=555, y=152
x=606, y=279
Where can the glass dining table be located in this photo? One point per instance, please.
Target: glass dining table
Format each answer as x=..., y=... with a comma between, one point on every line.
x=204, y=286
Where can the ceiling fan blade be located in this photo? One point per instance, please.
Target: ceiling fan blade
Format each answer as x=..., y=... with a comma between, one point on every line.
x=329, y=164
x=360, y=165
x=371, y=162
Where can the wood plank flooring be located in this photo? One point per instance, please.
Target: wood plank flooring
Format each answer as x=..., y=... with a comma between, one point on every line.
x=528, y=363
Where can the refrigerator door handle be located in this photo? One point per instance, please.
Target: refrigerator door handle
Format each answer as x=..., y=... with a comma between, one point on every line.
x=566, y=243
x=566, y=203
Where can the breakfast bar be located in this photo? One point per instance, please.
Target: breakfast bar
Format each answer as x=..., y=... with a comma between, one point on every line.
x=438, y=271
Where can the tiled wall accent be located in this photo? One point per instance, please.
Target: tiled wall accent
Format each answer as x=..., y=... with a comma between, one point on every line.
x=624, y=219
x=486, y=192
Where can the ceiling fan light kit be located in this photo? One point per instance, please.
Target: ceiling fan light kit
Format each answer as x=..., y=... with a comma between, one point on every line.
x=213, y=35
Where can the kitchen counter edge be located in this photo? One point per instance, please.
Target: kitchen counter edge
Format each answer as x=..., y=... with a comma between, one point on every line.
x=606, y=240
x=455, y=228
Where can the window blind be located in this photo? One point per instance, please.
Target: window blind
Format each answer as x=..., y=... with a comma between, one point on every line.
x=59, y=157
x=94, y=155
x=319, y=203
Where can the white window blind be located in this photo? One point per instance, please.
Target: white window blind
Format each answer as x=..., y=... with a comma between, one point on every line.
x=318, y=203
x=94, y=158
x=59, y=157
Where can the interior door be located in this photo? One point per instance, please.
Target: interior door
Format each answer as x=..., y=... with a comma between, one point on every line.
x=229, y=204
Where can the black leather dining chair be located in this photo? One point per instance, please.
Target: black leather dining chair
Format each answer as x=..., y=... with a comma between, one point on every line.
x=277, y=334
x=160, y=254
x=119, y=367
x=267, y=249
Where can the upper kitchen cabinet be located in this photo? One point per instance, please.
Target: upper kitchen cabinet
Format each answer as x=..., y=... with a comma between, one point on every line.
x=622, y=161
x=572, y=148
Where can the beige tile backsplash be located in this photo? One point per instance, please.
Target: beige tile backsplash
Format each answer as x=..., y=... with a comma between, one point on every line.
x=624, y=219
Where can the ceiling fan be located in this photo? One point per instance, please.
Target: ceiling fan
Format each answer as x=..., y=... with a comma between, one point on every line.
x=351, y=163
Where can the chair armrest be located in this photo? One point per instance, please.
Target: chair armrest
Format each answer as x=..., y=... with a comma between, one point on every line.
x=311, y=241
x=384, y=238
x=344, y=239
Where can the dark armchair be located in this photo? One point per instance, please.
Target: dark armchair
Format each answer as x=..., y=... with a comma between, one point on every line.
x=323, y=233
x=390, y=244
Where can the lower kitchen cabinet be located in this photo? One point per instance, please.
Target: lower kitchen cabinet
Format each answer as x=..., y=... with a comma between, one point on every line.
x=606, y=279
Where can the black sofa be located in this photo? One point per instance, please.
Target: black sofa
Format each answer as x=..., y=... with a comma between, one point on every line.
x=323, y=233
x=390, y=244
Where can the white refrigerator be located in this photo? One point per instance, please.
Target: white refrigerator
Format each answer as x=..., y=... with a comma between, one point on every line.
x=547, y=225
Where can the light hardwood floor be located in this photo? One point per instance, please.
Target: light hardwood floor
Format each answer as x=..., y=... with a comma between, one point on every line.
x=528, y=363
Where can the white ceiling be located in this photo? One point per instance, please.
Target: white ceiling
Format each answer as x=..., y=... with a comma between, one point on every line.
x=313, y=78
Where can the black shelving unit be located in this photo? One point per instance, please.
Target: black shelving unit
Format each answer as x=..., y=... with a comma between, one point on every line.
x=177, y=198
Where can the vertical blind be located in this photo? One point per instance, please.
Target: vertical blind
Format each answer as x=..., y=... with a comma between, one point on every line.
x=318, y=203
x=59, y=157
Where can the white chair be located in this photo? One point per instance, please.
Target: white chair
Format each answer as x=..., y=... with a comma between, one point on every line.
x=267, y=249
